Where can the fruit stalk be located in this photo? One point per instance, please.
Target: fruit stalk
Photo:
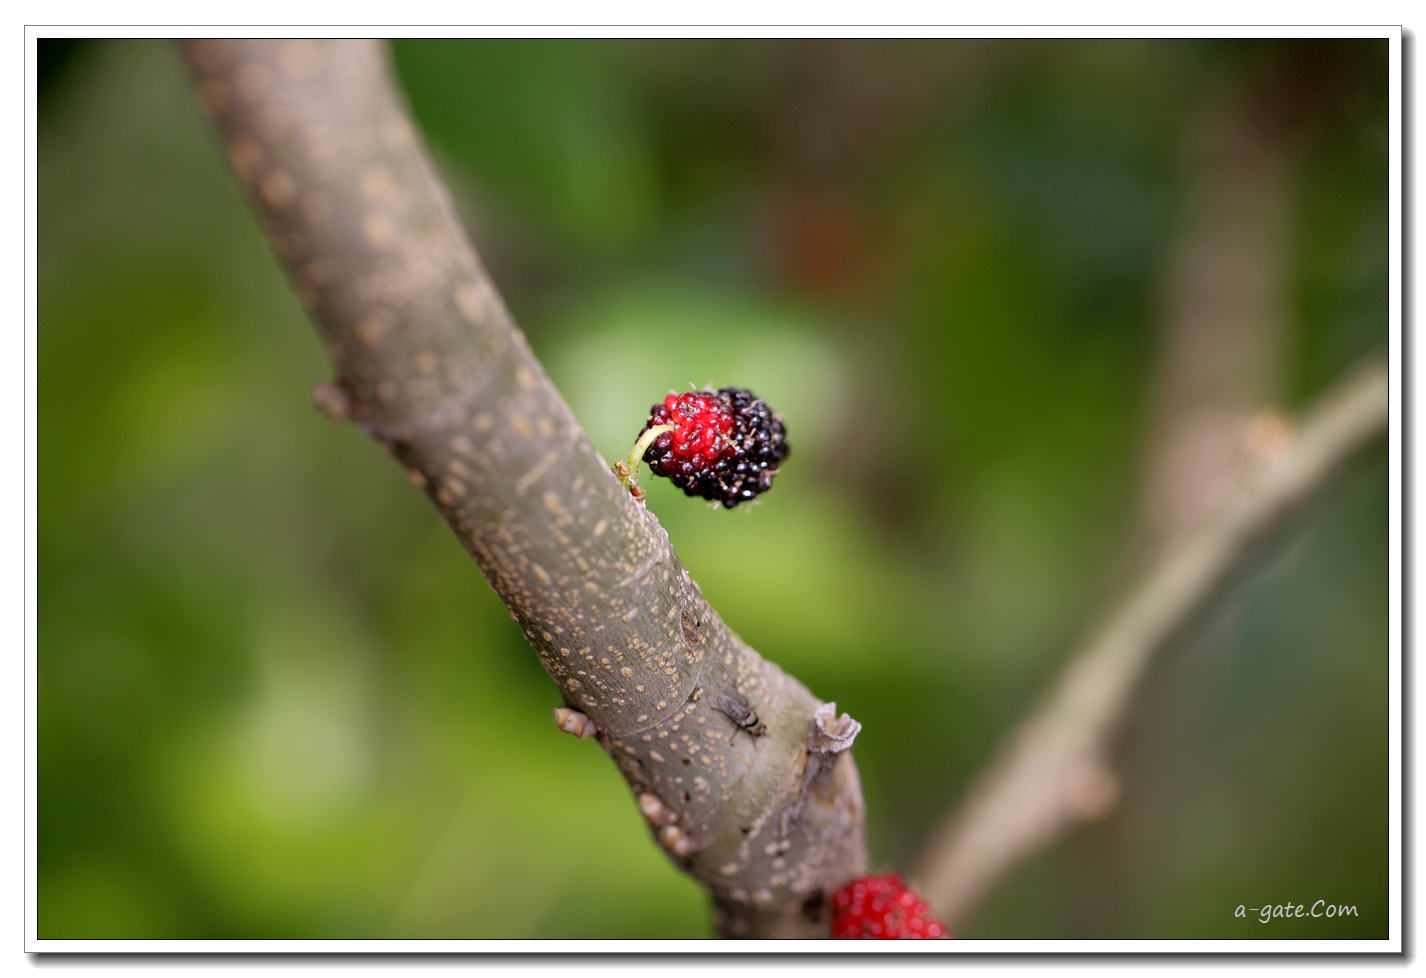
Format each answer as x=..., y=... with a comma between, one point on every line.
x=627, y=471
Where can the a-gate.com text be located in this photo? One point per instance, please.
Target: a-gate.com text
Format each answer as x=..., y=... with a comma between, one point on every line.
x=1321, y=908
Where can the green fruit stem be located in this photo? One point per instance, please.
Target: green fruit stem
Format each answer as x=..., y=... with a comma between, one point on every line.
x=641, y=446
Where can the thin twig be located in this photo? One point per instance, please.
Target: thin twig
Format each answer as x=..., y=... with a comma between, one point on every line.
x=1052, y=772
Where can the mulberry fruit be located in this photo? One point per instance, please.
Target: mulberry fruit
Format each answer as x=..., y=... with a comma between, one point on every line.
x=882, y=908
x=725, y=445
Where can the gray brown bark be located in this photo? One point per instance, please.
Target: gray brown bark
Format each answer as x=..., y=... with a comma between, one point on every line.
x=429, y=363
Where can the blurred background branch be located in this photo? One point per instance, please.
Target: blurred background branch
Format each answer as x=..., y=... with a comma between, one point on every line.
x=1054, y=771
x=1221, y=470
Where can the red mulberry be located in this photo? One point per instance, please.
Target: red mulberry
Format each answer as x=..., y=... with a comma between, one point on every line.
x=882, y=908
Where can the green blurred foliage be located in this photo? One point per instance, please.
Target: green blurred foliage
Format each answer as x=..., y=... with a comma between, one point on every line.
x=276, y=699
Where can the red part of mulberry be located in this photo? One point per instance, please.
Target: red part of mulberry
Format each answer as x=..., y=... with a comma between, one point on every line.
x=883, y=908
x=726, y=445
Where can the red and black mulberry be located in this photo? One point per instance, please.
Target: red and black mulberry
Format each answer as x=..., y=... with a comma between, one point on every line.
x=725, y=445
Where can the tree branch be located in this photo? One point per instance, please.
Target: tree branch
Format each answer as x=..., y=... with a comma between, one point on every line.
x=1052, y=772
x=431, y=366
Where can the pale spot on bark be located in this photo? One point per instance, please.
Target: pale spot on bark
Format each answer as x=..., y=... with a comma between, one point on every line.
x=482, y=422
x=332, y=399
x=601, y=527
x=376, y=183
x=319, y=272
x=552, y=502
x=675, y=840
x=525, y=377
x=544, y=426
x=534, y=475
x=521, y=425
x=653, y=808
x=378, y=230
x=470, y=299
x=396, y=132
x=246, y=157
x=254, y=81
x=540, y=574
x=375, y=325
x=277, y=189
x=418, y=478
x=461, y=445
x=427, y=362
x=300, y=59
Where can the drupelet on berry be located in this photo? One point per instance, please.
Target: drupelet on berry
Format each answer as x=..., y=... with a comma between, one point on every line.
x=883, y=908
x=725, y=445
